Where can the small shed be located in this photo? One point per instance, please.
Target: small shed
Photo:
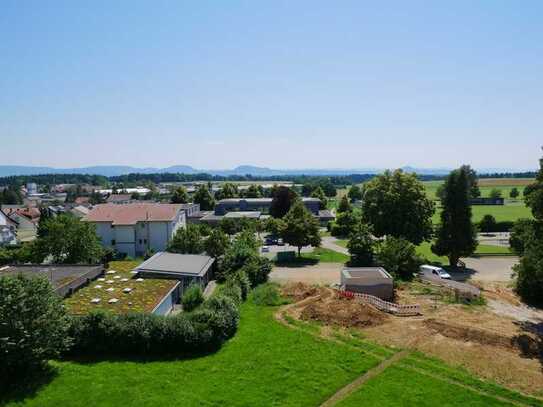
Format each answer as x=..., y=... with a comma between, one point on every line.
x=368, y=280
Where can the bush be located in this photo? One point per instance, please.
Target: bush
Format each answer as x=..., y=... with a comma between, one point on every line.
x=489, y=225
x=360, y=246
x=267, y=294
x=33, y=326
x=102, y=333
x=232, y=290
x=192, y=298
x=243, y=282
x=257, y=270
x=398, y=257
x=529, y=273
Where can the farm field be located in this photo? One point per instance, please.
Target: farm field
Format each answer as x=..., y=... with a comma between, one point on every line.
x=267, y=364
x=425, y=251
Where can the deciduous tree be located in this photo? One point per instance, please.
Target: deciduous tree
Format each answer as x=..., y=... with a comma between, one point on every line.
x=395, y=204
x=300, y=228
x=203, y=197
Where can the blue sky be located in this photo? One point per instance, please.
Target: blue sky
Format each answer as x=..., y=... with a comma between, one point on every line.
x=282, y=84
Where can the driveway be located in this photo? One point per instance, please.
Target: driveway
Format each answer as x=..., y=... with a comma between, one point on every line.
x=321, y=273
x=488, y=268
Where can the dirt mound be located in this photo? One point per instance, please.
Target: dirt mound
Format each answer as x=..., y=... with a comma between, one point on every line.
x=469, y=334
x=343, y=312
x=299, y=291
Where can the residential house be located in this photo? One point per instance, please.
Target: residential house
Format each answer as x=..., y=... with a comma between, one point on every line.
x=8, y=230
x=136, y=228
x=27, y=220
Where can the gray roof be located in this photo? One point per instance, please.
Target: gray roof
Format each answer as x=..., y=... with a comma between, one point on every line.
x=365, y=274
x=165, y=263
x=243, y=214
x=57, y=274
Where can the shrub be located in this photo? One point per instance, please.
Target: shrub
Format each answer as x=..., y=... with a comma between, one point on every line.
x=257, y=270
x=398, y=257
x=192, y=298
x=360, y=246
x=529, y=273
x=267, y=294
x=243, y=282
x=487, y=224
x=33, y=326
x=232, y=290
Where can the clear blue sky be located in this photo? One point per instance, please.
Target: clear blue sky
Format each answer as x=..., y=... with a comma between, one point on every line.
x=285, y=84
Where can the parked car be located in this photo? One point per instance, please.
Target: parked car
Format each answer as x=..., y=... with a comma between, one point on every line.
x=265, y=249
x=435, y=271
x=280, y=242
x=271, y=241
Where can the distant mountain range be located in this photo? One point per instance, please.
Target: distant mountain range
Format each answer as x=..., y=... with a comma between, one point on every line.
x=115, y=170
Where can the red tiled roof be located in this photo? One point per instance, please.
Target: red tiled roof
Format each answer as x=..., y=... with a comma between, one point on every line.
x=130, y=214
x=30, y=213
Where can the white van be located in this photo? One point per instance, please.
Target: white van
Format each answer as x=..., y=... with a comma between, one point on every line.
x=434, y=271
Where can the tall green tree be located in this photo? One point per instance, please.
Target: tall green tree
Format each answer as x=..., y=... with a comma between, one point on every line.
x=361, y=246
x=300, y=228
x=203, y=197
x=398, y=257
x=282, y=199
x=66, y=239
x=254, y=191
x=355, y=193
x=187, y=240
x=514, y=193
x=344, y=205
x=180, y=196
x=227, y=191
x=216, y=243
x=395, y=204
x=319, y=194
x=456, y=234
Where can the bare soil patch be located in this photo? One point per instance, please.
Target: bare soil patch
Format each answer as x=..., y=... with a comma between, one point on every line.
x=343, y=312
x=299, y=291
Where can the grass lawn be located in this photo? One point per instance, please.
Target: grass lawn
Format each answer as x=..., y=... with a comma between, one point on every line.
x=268, y=364
x=425, y=251
x=144, y=297
x=326, y=256
x=507, y=212
x=397, y=386
x=265, y=364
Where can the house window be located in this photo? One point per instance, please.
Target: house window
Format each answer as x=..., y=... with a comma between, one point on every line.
x=113, y=242
x=140, y=241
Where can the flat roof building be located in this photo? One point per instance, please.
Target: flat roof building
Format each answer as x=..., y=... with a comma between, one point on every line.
x=368, y=280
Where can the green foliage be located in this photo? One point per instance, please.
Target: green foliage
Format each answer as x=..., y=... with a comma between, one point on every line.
x=203, y=197
x=33, y=326
x=180, y=196
x=495, y=193
x=456, y=233
x=232, y=290
x=229, y=226
x=524, y=233
x=227, y=191
x=273, y=226
x=361, y=245
x=241, y=251
x=67, y=240
x=487, y=224
x=345, y=224
x=354, y=193
x=187, y=240
x=319, y=194
x=300, y=228
x=529, y=273
x=205, y=229
x=344, y=205
x=11, y=196
x=395, y=204
x=254, y=191
x=399, y=257
x=514, y=193
x=243, y=282
x=192, y=298
x=206, y=328
x=268, y=294
x=282, y=199
x=216, y=243
x=257, y=270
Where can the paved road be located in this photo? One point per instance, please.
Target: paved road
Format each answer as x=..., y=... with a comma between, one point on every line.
x=321, y=273
x=329, y=242
x=487, y=268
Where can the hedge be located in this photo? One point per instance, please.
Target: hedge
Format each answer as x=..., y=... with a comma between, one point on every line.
x=205, y=329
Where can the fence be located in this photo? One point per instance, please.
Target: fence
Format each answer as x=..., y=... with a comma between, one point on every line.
x=390, y=307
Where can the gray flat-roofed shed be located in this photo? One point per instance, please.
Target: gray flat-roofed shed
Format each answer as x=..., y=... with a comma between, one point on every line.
x=368, y=280
x=188, y=268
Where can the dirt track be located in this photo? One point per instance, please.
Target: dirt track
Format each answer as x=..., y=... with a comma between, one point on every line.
x=321, y=273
